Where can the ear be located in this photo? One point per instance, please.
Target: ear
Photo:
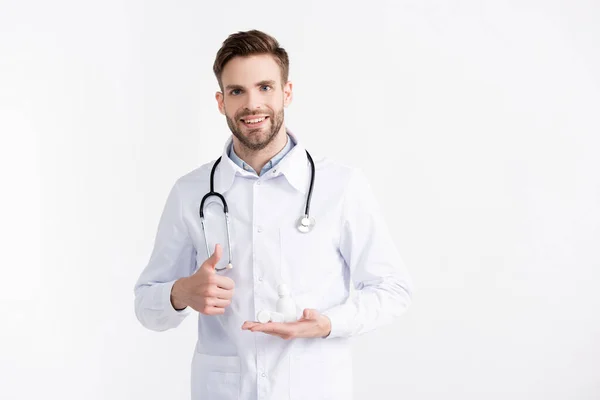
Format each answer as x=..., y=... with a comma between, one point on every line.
x=220, y=102
x=287, y=93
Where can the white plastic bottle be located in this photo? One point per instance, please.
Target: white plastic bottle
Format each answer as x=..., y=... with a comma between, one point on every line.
x=285, y=303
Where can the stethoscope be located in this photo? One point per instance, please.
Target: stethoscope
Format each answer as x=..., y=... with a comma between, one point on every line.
x=305, y=222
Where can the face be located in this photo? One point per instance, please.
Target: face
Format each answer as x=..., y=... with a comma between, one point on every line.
x=253, y=99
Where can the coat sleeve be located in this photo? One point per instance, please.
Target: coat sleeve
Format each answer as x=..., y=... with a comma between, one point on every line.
x=383, y=285
x=172, y=257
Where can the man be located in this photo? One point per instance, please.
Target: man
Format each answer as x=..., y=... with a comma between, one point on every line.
x=264, y=175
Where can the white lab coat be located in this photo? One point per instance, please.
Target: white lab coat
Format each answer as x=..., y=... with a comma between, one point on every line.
x=349, y=243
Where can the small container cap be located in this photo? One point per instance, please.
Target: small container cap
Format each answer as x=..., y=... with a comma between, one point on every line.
x=263, y=316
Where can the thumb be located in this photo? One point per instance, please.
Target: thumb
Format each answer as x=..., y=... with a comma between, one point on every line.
x=309, y=314
x=212, y=261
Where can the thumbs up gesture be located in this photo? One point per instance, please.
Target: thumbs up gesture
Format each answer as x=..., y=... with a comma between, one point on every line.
x=205, y=291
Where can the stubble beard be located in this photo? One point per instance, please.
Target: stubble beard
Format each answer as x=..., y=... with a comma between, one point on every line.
x=247, y=141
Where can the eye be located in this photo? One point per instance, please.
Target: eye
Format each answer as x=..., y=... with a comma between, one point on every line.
x=266, y=88
x=235, y=92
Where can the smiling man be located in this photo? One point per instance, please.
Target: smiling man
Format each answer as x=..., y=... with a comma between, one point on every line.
x=312, y=224
x=253, y=106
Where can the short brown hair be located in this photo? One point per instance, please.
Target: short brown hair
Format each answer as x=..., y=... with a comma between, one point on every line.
x=249, y=43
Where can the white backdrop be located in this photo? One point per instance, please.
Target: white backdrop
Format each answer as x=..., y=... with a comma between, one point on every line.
x=476, y=122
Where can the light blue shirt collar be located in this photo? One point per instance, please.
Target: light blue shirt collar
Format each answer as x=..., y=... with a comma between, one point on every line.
x=270, y=164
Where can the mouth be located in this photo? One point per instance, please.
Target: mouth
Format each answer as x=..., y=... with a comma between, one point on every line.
x=254, y=121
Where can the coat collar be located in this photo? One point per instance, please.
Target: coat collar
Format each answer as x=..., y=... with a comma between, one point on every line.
x=294, y=166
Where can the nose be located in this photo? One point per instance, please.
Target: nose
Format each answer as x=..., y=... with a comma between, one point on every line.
x=252, y=101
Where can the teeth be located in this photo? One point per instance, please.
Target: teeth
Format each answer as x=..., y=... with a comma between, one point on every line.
x=253, y=121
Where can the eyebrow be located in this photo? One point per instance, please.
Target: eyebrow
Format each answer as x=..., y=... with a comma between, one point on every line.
x=261, y=83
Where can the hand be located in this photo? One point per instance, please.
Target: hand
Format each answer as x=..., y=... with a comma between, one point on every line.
x=205, y=291
x=311, y=325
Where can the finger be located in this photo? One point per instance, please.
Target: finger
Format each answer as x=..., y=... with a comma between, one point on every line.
x=309, y=313
x=224, y=282
x=212, y=261
x=249, y=324
x=210, y=310
x=222, y=293
x=281, y=328
x=219, y=303
x=285, y=337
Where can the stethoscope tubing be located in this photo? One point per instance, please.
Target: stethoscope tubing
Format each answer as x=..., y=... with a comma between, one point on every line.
x=226, y=208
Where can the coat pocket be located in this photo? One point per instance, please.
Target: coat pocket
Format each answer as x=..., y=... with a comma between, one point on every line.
x=215, y=377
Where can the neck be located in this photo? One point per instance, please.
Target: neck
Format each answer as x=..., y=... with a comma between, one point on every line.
x=258, y=158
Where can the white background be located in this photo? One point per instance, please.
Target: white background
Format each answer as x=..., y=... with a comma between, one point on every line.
x=476, y=122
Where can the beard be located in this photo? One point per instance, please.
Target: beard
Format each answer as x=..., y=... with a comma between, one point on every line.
x=258, y=138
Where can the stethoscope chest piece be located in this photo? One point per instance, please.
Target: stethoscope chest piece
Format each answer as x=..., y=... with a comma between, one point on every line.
x=305, y=224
